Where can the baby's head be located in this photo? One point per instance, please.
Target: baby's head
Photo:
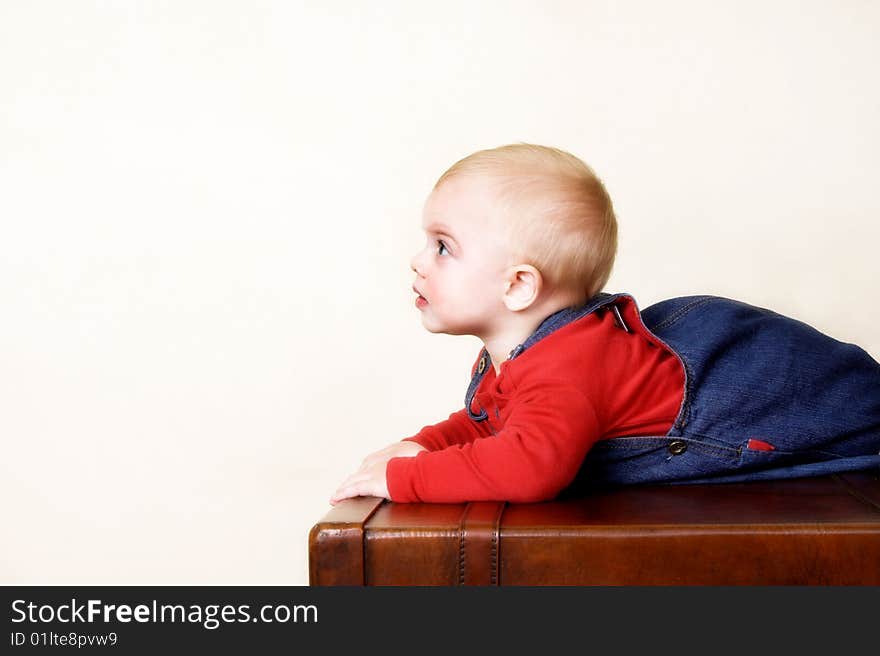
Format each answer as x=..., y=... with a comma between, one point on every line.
x=535, y=229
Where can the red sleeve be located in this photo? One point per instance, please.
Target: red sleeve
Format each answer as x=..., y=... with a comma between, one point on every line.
x=532, y=458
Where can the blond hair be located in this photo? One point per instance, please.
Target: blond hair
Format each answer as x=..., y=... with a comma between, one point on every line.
x=555, y=212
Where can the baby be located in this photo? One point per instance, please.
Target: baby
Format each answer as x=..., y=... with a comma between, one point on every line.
x=576, y=388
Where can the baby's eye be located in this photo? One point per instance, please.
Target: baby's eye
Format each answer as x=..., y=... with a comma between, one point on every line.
x=441, y=247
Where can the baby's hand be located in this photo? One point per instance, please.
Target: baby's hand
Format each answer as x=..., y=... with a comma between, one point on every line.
x=400, y=449
x=369, y=479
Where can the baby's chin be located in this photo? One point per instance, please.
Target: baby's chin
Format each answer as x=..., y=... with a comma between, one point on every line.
x=432, y=328
x=437, y=329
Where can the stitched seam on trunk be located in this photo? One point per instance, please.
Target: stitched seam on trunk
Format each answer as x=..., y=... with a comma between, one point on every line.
x=363, y=536
x=461, y=539
x=496, y=537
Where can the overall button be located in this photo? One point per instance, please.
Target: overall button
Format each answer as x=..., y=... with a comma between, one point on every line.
x=482, y=366
x=677, y=447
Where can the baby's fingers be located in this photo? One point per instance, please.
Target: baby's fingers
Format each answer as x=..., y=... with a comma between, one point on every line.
x=347, y=490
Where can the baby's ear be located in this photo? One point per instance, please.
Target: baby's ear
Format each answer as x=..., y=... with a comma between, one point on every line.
x=522, y=288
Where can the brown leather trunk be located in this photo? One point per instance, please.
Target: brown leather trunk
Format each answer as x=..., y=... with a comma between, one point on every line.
x=809, y=531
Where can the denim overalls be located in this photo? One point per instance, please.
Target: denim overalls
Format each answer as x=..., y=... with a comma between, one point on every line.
x=766, y=396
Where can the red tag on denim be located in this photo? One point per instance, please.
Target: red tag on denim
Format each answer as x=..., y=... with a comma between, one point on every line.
x=760, y=445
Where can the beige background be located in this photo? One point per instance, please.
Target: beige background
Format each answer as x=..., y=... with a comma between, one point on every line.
x=208, y=211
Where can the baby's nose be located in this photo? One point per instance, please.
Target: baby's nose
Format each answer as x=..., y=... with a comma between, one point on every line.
x=415, y=262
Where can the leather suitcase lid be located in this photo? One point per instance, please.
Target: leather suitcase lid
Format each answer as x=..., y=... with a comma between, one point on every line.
x=838, y=500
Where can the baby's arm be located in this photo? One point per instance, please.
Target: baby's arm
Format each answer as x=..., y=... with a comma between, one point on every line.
x=369, y=479
x=537, y=453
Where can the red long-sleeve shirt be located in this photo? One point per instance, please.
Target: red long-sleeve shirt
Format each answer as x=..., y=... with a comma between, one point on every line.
x=587, y=381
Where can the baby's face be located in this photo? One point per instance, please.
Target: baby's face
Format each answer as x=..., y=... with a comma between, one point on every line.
x=460, y=271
